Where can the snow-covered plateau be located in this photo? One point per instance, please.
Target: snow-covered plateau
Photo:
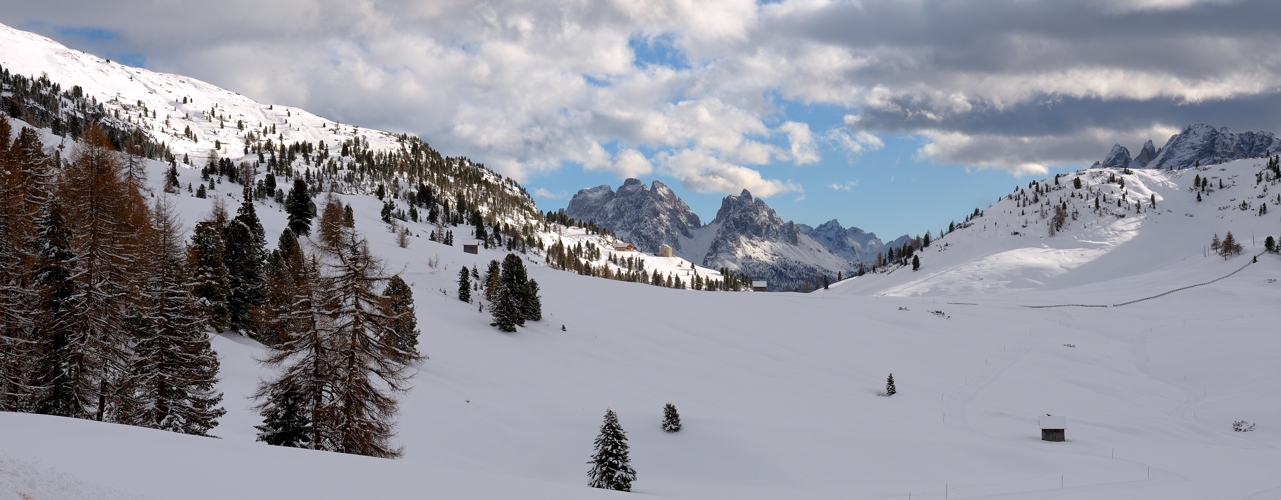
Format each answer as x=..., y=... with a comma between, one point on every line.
x=778, y=392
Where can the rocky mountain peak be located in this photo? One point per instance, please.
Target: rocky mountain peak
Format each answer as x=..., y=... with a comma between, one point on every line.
x=1118, y=158
x=645, y=216
x=1196, y=143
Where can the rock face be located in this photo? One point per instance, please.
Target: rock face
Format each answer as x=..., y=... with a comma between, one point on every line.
x=645, y=217
x=1196, y=144
x=746, y=236
x=1146, y=155
x=750, y=237
x=854, y=244
x=1118, y=158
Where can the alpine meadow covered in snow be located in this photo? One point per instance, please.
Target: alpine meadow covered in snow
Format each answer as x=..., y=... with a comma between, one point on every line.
x=203, y=296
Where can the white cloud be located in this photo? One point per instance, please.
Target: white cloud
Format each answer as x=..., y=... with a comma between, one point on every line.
x=802, y=142
x=629, y=163
x=518, y=85
x=705, y=173
x=843, y=186
x=543, y=193
x=1028, y=155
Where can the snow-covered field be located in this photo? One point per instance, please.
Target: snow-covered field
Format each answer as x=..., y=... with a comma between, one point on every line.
x=778, y=391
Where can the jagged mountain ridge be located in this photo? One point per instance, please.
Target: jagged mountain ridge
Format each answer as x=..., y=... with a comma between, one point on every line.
x=746, y=235
x=646, y=217
x=1196, y=144
x=855, y=244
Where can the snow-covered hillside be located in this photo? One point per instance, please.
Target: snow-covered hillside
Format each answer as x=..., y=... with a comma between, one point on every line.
x=1110, y=253
x=168, y=105
x=778, y=391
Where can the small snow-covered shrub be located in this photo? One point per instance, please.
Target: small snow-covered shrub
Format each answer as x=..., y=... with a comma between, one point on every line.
x=1242, y=426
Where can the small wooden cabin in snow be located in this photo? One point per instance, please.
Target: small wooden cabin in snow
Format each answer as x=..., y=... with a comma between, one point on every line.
x=1052, y=428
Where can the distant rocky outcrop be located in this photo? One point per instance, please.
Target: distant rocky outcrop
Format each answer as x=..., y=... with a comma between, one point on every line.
x=854, y=244
x=1196, y=144
x=645, y=217
x=746, y=236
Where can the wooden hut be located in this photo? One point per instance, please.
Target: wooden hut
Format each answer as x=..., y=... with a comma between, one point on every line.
x=760, y=286
x=1052, y=428
x=664, y=251
x=471, y=248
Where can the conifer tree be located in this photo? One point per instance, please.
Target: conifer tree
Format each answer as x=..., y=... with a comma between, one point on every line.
x=671, y=420
x=464, y=285
x=533, y=305
x=209, y=272
x=175, y=370
x=889, y=386
x=611, y=466
x=53, y=279
x=916, y=263
x=112, y=227
x=340, y=363
x=399, y=308
x=493, y=279
x=300, y=208
x=286, y=420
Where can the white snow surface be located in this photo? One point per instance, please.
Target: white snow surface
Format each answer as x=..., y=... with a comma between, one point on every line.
x=778, y=391
x=123, y=88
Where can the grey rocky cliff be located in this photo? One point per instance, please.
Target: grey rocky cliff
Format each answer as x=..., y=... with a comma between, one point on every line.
x=645, y=217
x=854, y=244
x=1195, y=144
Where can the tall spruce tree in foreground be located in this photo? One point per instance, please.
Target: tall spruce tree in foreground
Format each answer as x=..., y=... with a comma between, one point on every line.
x=55, y=267
x=671, y=420
x=175, y=370
x=611, y=467
x=209, y=281
x=889, y=386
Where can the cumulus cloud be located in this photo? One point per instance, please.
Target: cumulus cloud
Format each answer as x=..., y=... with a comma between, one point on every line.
x=529, y=87
x=803, y=149
x=843, y=186
x=704, y=173
x=543, y=193
x=630, y=163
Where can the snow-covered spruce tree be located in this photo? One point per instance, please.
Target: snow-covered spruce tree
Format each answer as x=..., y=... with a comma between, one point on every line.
x=300, y=208
x=175, y=370
x=17, y=298
x=286, y=420
x=399, y=308
x=55, y=267
x=245, y=283
x=464, y=285
x=209, y=281
x=533, y=305
x=244, y=255
x=508, y=307
x=889, y=386
x=611, y=467
x=671, y=420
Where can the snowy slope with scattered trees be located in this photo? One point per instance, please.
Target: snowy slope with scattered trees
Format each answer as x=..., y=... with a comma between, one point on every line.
x=777, y=393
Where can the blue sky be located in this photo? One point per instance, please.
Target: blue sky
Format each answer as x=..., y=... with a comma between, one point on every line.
x=895, y=117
